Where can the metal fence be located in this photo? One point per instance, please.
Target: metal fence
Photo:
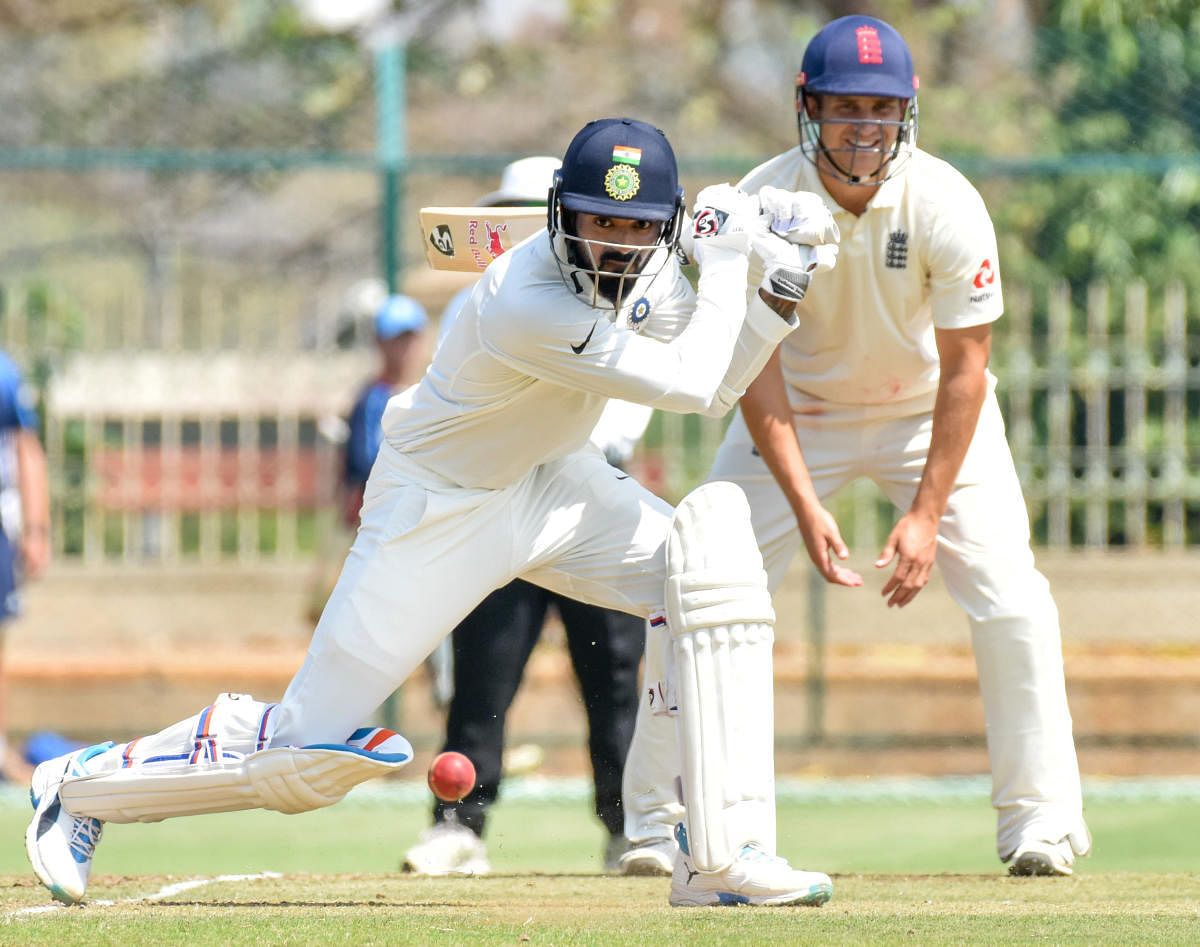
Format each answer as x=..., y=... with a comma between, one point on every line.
x=212, y=438
x=1101, y=396
x=212, y=441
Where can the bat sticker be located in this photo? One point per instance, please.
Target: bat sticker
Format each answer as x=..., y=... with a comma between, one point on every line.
x=442, y=240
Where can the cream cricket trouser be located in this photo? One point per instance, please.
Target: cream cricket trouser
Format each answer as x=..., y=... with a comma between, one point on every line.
x=987, y=565
x=428, y=552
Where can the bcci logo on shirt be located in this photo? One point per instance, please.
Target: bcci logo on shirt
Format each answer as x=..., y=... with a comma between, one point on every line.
x=638, y=313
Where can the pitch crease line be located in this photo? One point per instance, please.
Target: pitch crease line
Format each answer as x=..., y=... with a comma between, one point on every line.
x=167, y=891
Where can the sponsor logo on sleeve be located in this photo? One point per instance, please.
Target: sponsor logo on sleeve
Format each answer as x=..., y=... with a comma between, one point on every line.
x=983, y=282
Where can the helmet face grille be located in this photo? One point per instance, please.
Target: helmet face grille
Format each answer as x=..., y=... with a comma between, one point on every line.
x=579, y=263
x=845, y=163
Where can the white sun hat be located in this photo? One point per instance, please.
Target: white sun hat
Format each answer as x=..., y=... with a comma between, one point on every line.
x=526, y=181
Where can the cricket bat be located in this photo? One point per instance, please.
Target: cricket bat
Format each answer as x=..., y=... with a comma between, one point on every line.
x=467, y=239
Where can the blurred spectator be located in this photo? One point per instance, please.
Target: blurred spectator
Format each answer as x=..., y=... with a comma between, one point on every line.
x=399, y=328
x=24, y=519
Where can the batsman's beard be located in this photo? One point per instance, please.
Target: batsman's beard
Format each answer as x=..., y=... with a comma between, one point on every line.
x=614, y=273
x=617, y=270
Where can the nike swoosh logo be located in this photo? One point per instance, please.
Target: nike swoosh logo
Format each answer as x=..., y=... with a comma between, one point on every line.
x=622, y=476
x=578, y=349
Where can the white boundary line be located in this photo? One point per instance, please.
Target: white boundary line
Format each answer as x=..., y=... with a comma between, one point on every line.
x=165, y=892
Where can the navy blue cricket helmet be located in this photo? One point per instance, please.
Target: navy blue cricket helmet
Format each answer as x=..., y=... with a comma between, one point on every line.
x=618, y=168
x=858, y=55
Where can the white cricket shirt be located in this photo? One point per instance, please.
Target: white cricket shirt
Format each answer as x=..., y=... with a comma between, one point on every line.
x=922, y=255
x=525, y=371
x=622, y=423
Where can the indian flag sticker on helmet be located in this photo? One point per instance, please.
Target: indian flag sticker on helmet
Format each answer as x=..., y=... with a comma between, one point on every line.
x=621, y=183
x=624, y=154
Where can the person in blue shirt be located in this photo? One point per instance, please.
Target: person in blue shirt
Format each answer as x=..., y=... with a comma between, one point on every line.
x=399, y=325
x=24, y=512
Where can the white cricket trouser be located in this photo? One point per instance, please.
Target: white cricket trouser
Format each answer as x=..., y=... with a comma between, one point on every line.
x=988, y=568
x=426, y=554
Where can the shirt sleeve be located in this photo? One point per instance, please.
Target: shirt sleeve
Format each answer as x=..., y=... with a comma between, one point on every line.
x=544, y=332
x=16, y=400
x=964, y=271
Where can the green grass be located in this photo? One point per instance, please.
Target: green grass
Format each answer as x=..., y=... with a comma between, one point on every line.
x=917, y=871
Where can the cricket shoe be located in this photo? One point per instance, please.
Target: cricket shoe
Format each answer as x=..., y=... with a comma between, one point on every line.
x=1038, y=857
x=381, y=742
x=60, y=845
x=654, y=856
x=616, y=846
x=754, y=878
x=447, y=848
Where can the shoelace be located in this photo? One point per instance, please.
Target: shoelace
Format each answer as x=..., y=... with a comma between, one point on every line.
x=756, y=854
x=85, y=836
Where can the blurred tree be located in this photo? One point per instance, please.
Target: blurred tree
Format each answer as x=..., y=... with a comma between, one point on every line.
x=1122, y=81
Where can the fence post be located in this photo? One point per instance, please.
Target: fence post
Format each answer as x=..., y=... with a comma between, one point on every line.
x=1174, y=475
x=1095, y=390
x=1018, y=381
x=1136, y=371
x=390, y=130
x=1058, y=410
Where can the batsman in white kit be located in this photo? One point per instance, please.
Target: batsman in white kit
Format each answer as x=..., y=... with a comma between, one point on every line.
x=887, y=378
x=485, y=475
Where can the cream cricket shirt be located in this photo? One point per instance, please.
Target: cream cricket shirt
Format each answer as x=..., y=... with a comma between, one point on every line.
x=923, y=255
x=526, y=369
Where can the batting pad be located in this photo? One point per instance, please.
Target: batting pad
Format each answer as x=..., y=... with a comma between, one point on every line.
x=285, y=779
x=722, y=626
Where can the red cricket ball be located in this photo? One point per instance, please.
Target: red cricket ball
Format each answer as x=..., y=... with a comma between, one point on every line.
x=451, y=776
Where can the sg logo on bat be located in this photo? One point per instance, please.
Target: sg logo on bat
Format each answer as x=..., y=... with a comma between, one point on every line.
x=442, y=240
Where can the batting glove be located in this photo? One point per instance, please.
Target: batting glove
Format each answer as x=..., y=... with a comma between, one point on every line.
x=798, y=216
x=788, y=267
x=725, y=217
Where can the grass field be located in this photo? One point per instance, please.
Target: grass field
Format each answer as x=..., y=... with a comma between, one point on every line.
x=911, y=864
